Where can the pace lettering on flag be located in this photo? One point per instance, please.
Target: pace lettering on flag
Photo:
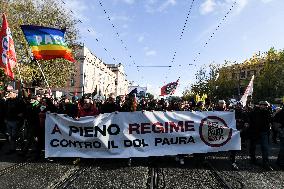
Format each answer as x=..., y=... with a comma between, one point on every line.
x=7, y=49
x=47, y=43
x=169, y=88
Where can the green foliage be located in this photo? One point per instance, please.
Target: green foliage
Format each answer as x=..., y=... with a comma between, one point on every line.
x=270, y=84
x=209, y=82
x=217, y=81
x=187, y=95
x=45, y=13
x=3, y=76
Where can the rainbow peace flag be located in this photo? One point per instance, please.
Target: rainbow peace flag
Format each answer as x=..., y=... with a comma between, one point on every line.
x=47, y=43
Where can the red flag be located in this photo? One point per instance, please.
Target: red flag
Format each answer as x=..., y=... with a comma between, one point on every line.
x=8, y=58
x=169, y=88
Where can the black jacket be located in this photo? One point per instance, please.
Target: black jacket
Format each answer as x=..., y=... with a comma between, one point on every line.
x=241, y=118
x=279, y=118
x=14, y=107
x=260, y=120
x=108, y=107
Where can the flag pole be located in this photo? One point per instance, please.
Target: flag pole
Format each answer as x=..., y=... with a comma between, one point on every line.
x=21, y=80
x=45, y=80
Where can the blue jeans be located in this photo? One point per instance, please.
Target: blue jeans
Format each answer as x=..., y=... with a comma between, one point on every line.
x=264, y=144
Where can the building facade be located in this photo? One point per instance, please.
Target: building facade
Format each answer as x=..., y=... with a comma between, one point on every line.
x=93, y=76
x=245, y=70
x=121, y=83
x=242, y=73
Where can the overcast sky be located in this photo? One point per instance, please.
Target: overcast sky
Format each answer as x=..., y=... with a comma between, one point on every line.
x=151, y=29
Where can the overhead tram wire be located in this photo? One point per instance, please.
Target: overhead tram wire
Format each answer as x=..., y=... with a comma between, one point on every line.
x=119, y=37
x=180, y=37
x=215, y=30
x=117, y=34
x=214, y=33
x=153, y=66
x=97, y=40
x=183, y=29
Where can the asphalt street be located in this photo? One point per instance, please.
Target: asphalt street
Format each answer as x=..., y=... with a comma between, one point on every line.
x=160, y=172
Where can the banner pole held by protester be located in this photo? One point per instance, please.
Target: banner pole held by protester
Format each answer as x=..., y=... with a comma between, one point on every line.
x=248, y=92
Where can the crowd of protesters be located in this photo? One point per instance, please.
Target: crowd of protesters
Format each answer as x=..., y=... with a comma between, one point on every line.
x=22, y=119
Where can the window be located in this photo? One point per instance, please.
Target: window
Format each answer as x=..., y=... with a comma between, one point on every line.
x=72, y=81
x=249, y=73
x=243, y=74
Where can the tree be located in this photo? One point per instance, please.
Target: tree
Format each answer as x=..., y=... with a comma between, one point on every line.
x=3, y=77
x=187, y=95
x=215, y=81
x=200, y=86
x=226, y=85
x=222, y=82
x=270, y=84
x=45, y=13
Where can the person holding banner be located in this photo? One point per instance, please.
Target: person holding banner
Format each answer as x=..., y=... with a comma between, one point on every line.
x=221, y=106
x=32, y=124
x=142, y=105
x=130, y=105
x=208, y=104
x=40, y=131
x=259, y=129
x=69, y=108
x=110, y=105
x=179, y=106
x=200, y=106
x=242, y=121
x=87, y=109
x=241, y=125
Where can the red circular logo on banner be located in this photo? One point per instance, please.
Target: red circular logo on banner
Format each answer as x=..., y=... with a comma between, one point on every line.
x=214, y=131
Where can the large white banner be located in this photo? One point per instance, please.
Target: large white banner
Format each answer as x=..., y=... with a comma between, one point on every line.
x=140, y=134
